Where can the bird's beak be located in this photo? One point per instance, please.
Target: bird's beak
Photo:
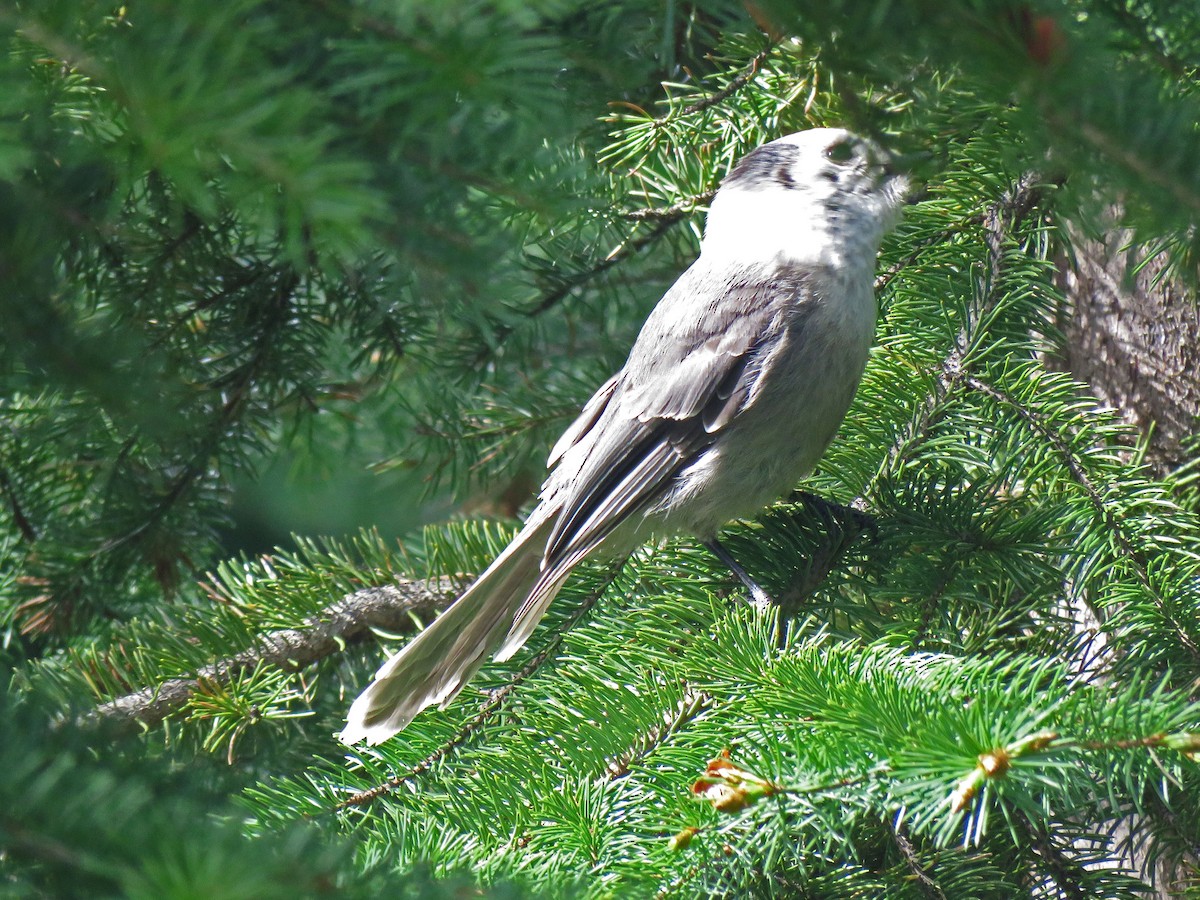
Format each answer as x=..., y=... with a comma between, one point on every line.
x=900, y=169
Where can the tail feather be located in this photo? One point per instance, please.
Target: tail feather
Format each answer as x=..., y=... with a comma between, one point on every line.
x=435, y=665
x=539, y=597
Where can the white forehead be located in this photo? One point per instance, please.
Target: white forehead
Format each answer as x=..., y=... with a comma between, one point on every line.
x=802, y=161
x=812, y=145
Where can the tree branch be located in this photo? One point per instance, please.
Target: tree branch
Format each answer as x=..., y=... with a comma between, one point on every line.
x=925, y=885
x=28, y=532
x=387, y=607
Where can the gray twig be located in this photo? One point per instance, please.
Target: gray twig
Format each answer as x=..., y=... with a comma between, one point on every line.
x=386, y=607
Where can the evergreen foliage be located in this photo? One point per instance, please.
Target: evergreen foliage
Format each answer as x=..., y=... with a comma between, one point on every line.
x=426, y=231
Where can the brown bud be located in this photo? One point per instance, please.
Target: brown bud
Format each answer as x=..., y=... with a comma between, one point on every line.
x=966, y=789
x=994, y=764
x=681, y=840
x=723, y=796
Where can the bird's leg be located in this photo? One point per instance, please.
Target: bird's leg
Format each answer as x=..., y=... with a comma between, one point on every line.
x=758, y=596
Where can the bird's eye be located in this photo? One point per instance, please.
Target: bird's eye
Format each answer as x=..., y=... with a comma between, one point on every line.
x=841, y=152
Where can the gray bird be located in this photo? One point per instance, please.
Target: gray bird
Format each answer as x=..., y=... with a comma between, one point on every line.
x=734, y=388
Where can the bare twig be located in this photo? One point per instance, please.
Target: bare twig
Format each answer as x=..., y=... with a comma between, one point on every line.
x=926, y=886
x=387, y=607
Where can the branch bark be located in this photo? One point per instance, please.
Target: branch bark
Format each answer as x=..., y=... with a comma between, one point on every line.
x=1133, y=335
x=387, y=607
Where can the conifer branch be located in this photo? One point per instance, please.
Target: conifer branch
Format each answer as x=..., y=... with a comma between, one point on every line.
x=1112, y=522
x=1149, y=35
x=388, y=607
x=624, y=250
x=24, y=841
x=998, y=220
x=627, y=248
x=931, y=602
x=235, y=389
x=675, y=211
x=28, y=532
x=248, y=276
x=843, y=526
x=884, y=278
x=690, y=705
x=1062, y=870
x=1110, y=147
x=239, y=385
x=665, y=217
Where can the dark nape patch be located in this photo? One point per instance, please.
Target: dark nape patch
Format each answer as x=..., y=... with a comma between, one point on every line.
x=769, y=164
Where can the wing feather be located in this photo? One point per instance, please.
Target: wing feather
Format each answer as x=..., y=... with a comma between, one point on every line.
x=687, y=379
x=592, y=410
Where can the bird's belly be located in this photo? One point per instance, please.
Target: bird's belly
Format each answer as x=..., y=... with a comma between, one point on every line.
x=777, y=439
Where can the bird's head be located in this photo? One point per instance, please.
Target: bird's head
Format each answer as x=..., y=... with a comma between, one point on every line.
x=818, y=197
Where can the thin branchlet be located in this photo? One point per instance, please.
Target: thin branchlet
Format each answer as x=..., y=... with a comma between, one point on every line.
x=690, y=705
x=28, y=532
x=717, y=97
x=924, y=882
x=1064, y=871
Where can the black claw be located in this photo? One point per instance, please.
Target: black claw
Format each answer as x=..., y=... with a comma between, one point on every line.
x=861, y=521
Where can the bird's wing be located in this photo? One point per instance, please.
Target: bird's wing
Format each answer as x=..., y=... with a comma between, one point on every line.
x=592, y=410
x=687, y=377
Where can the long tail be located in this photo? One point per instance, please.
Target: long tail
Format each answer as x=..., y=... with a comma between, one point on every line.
x=435, y=665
